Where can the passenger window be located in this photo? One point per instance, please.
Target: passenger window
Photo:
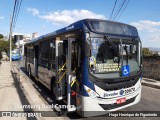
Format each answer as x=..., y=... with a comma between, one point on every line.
x=52, y=50
x=45, y=50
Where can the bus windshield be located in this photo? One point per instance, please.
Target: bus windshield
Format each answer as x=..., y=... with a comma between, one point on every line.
x=105, y=59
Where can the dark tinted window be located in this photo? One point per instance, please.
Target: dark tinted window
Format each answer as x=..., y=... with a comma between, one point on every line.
x=45, y=49
x=30, y=52
x=52, y=50
x=112, y=28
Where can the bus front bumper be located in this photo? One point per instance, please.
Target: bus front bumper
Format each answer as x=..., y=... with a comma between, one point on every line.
x=99, y=106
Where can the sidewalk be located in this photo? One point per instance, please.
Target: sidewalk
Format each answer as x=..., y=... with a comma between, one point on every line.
x=10, y=94
x=16, y=90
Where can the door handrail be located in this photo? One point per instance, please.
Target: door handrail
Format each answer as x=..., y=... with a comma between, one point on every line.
x=62, y=76
x=62, y=68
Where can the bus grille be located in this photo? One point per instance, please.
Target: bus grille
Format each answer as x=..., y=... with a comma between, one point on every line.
x=115, y=84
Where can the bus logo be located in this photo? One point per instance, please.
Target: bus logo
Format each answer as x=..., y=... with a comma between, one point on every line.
x=121, y=92
x=70, y=27
x=127, y=91
x=110, y=94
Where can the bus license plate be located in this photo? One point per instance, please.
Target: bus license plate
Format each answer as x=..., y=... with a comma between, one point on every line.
x=121, y=100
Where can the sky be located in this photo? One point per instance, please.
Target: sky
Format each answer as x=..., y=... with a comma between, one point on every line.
x=45, y=16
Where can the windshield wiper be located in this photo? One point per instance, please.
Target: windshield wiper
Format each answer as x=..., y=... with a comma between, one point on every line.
x=113, y=45
x=125, y=48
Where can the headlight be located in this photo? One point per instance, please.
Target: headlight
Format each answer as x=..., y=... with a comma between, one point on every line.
x=92, y=93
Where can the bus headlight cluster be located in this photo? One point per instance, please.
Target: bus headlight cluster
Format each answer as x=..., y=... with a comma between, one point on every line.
x=92, y=93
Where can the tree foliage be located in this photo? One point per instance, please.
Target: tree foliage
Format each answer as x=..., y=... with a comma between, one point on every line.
x=5, y=46
x=146, y=52
x=1, y=36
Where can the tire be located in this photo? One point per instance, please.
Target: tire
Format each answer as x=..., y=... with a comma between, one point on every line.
x=29, y=72
x=53, y=87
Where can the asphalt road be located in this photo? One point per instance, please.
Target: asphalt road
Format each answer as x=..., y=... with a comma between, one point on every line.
x=150, y=101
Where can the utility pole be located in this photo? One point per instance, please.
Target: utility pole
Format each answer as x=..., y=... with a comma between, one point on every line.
x=10, y=39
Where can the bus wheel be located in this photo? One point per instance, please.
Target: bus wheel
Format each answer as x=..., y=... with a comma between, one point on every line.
x=29, y=71
x=53, y=87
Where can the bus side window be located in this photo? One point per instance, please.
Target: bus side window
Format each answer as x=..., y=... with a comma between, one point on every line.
x=43, y=53
x=52, y=50
x=52, y=54
x=45, y=49
x=25, y=51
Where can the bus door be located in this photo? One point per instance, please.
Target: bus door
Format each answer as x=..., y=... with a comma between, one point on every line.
x=61, y=68
x=66, y=62
x=71, y=75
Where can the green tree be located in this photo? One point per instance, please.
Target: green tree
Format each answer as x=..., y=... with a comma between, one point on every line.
x=5, y=46
x=1, y=36
x=146, y=52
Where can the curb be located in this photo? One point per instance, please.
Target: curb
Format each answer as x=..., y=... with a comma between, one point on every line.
x=150, y=85
x=150, y=79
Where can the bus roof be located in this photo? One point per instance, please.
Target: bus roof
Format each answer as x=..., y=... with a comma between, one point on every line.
x=94, y=25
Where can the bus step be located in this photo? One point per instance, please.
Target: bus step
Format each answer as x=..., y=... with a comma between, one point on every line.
x=71, y=108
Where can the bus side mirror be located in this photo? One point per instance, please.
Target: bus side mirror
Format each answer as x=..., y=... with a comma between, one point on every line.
x=87, y=48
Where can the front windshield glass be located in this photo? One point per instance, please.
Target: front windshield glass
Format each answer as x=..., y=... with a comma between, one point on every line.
x=106, y=58
x=15, y=54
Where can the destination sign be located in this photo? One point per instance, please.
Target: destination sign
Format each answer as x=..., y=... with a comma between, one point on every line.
x=107, y=67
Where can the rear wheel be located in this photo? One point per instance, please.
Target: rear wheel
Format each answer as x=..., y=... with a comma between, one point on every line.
x=29, y=72
x=53, y=87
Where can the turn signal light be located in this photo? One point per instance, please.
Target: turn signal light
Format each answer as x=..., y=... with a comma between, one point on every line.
x=73, y=93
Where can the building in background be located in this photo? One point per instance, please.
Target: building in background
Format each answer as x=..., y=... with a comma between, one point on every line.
x=35, y=35
x=22, y=39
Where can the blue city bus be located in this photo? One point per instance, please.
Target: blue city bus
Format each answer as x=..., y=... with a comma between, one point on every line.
x=94, y=65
